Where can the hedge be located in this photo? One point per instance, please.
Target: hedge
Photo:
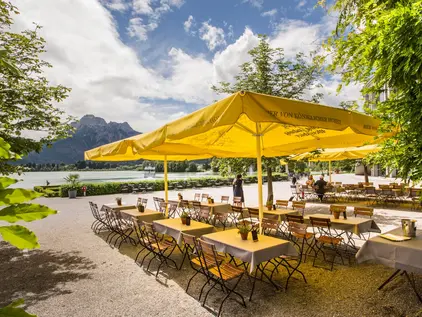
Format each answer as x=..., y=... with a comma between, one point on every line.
x=109, y=188
x=48, y=191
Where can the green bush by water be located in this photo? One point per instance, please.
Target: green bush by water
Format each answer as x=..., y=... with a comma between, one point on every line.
x=93, y=189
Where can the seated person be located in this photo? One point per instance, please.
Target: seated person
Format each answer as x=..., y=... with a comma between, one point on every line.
x=310, y=181
x=320, y=187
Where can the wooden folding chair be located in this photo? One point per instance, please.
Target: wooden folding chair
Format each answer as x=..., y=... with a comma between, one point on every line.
x=205, y=214
x=225, y=199
x=299, y=206
x=324, y=237
x=220, y=273
x=99, y=223
x=159, y=246
x=237, y=201
x=197, y=197
x=279, y=204
x=292, y=263
x=204, y=197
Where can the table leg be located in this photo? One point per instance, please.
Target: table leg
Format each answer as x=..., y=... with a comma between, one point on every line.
x=411, y=280
x=389, y=279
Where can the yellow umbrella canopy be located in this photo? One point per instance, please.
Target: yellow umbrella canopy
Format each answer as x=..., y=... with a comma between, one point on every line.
x=246, y=124
x=339, y=154
x=230, y=127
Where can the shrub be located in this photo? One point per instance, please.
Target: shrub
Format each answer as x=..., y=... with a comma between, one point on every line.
x=94, y=189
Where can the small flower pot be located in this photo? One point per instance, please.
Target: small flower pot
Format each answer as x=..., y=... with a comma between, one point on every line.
x=72, y=193
x=244, y=235
x=183, y=220
x=336, y=214
x=188, y=221
x=141, y=208
x=269, y=207
x=119, y=202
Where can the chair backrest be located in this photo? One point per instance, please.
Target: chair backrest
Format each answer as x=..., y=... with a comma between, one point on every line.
x=197, y=197
x=297, y=228
x=320, y=222
x=294, y=190
x=190, y=245
x=253, y=213
x=338, y=183
x=337, y=208
x=281, y=203
x=225, y=199
x=142, y=201
x=94, y=210
x=205, y=212
x=295, y=218
x=162, y=207
x=383, y=186
x=415, y=192
x=208, y=255
x=269, y=223
x=204, y=197
x=184, y=203
x=300, y=206
x=363, y=211
x=237, y=201
x=237, y=209
x=138, y=228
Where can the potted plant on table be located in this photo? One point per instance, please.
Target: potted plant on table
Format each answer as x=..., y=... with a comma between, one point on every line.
x=336, y=214
x=244, y=231
x=73, y=183
x=141, y=208
x=119, y=201
x=269, y=205
x=184, y=216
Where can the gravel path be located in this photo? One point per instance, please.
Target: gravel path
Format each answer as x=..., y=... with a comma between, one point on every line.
x=76, y=273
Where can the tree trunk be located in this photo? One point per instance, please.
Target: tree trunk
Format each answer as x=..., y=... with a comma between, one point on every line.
x=366, y=173
x=270, y=185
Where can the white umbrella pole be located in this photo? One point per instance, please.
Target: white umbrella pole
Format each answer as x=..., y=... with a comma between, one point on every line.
x=259, y=169
x=166, y=185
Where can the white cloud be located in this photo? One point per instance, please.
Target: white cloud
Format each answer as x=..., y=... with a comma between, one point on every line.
x=255, y=3
x=301, y=4
x=116, y=5
x=270, y=13
x=213, y=36
x=108, y=79
x=230, y=33
x=142, y=6
x=188, y=24
x=140, y=30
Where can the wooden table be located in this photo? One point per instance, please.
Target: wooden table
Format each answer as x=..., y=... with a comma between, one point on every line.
x=148, y=215
x=221, y=208
x=114, y=206
x=281, y=213
x=254, y=253
x=174, y=228
x=355, y=225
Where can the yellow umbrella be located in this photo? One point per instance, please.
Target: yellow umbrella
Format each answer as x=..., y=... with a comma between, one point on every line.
x=247, y=124
x=338, y=154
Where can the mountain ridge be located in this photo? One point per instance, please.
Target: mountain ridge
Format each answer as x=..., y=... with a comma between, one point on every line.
x=91, y=132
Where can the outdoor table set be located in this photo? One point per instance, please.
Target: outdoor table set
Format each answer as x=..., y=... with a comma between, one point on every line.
x=404, y=255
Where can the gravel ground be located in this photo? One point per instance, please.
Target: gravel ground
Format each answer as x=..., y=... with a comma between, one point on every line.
x=76, y=273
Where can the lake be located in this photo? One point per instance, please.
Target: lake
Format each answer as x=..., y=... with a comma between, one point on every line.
x=31, y=179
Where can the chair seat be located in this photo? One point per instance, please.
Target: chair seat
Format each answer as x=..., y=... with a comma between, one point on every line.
x=227, y=270
x=327, y=239
x=210, y=260
x=306, y=236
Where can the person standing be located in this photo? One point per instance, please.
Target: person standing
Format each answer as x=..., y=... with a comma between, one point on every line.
x=320, y=187
x=294, y=188
x=238, y=187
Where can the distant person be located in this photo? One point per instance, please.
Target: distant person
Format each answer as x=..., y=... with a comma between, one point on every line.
x=238, y=187
x=320, y=187
x=47, y=182
x=310, y=181
x=294, y=187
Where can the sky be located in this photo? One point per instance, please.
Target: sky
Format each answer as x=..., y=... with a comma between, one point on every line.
x=148, y=62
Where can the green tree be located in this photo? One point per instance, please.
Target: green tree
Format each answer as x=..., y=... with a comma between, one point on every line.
x=27, y=98
x=269, y=72
x=377, y=43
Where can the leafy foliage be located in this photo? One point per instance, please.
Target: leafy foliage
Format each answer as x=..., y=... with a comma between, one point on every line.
x=73, y=181
x=27, y=98
x=14, y=310
x=20, y=237
x=377, y=43
x=269, y=72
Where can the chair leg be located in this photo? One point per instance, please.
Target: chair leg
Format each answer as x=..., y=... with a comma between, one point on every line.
x=207, y=293
x=190, y=280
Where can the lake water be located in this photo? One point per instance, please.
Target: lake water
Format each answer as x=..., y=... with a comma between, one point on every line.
x=31, y=179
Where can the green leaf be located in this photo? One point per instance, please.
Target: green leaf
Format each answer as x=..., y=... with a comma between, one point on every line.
x=17, y=303
x=12, y=196
x=6, y=182
x=5, y=150
x=20, y=237
x=13, y=310
x=25, y=212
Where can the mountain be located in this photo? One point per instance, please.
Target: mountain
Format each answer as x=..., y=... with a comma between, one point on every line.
x=90, y=132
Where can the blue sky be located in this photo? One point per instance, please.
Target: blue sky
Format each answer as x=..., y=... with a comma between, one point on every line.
x=150, y=61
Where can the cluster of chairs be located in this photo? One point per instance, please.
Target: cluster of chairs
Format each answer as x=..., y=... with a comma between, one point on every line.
x=118, y=227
